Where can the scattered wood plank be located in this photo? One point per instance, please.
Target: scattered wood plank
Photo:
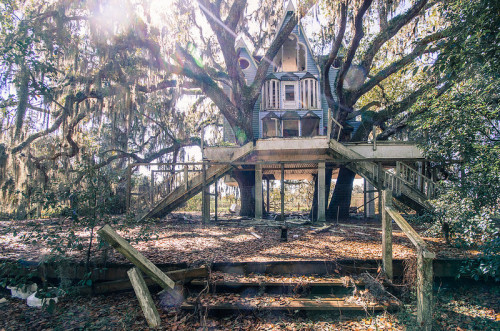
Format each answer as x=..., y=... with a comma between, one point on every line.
x=321, y=229
x=145, y=300
x=122, y=246
x=255, y=235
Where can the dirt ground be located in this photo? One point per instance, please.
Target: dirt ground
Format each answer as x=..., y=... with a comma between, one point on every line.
x=468, y=308
x=182, y=238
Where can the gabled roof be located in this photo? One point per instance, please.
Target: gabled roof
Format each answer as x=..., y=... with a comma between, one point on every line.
x=291, y=8
x=240, y=43
x=310, y=115
x=271, y=76
x=271, y=115
x=308, y=75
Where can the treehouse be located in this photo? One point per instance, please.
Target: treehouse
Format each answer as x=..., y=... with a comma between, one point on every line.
x=291, y=103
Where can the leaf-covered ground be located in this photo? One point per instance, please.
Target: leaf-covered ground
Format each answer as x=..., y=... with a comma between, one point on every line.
x=181, y=238
x=475, y=307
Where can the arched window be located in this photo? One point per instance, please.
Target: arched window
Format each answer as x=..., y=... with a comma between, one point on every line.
x=271, y=93
x=291, y=57
x=309, y=92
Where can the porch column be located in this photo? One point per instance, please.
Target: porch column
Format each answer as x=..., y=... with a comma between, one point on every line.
x=321, y=192
x=370, y=203
x=258, y=191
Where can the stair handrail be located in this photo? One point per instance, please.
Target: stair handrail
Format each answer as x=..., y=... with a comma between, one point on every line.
x=427, y=187
x=424, y=258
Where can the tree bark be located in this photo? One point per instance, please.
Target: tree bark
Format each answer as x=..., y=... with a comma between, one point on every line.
x=341, y=197
x=246, y=184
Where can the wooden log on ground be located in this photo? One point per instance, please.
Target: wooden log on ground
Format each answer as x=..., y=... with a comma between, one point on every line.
x=145, y=300
x=324, y=228
x=122, y=246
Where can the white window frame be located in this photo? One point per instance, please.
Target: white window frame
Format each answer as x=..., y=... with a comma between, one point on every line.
x=290, y=104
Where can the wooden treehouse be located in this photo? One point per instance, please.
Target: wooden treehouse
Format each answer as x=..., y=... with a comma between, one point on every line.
x=293, y=127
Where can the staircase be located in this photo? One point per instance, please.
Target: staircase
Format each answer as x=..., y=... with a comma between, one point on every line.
x=407, y=184
x=186, y=191
x=236, y=292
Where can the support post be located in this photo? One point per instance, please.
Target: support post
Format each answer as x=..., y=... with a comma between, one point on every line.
x=216, y=199
x=386, y=200
x=145, y=300
x=267, y=192
x=424, y=291
x=282, y=192
x=258, y=191
x=374, y=131
x=152, y=189
x=321, y=192
x=370, y=206
x=129, y=186
x=186, y=177
x=205, y=197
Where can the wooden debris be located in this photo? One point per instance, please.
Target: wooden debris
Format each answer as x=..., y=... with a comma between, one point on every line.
x=255, y=235
x=321, y=229
x=144, y=297
x=121, y=245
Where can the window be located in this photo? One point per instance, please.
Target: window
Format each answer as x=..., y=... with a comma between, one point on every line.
x=243, y=63
x=309, y=92
x=289, y=92
x=291, y=56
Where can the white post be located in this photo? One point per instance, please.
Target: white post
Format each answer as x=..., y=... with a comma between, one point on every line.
x=321, y=192
x=258, y=191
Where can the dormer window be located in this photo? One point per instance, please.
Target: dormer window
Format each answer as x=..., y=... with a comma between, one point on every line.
x=309, y=92
x=271, y=93
x=291, y=57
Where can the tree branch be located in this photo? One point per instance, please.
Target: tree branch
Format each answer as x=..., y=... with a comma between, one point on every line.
x=395, y=24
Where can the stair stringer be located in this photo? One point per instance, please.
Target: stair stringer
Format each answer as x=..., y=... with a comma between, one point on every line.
x=180, y=195
x=368, y=170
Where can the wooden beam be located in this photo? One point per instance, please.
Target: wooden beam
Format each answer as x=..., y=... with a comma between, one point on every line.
x=123, y=246
x=145, y=300
x=258, y=191
x=182, y=275
x=321, y=192
x=410, y=232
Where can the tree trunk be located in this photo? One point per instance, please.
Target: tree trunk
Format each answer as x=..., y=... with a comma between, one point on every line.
x=246, y=184
x=341, y=197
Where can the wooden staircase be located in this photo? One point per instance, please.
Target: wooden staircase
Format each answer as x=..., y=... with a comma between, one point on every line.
x=186, y=191
x=261, y=292
x=407, y=184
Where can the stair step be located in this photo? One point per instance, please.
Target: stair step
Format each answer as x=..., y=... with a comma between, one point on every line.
x=280, y=303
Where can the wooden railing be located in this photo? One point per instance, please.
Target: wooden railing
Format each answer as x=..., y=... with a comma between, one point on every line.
x=416, y=180
x=424, y=258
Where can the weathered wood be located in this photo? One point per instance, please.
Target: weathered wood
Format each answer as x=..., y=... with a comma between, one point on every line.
x=321, y=192
x=145, y=300
x=410, y=232
x=386, y=200
x=205, y=197
x=122, y=246
x=183, y=276
x=258, y=191
x=322, y=229
x=282, y=192
x=424, y=291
